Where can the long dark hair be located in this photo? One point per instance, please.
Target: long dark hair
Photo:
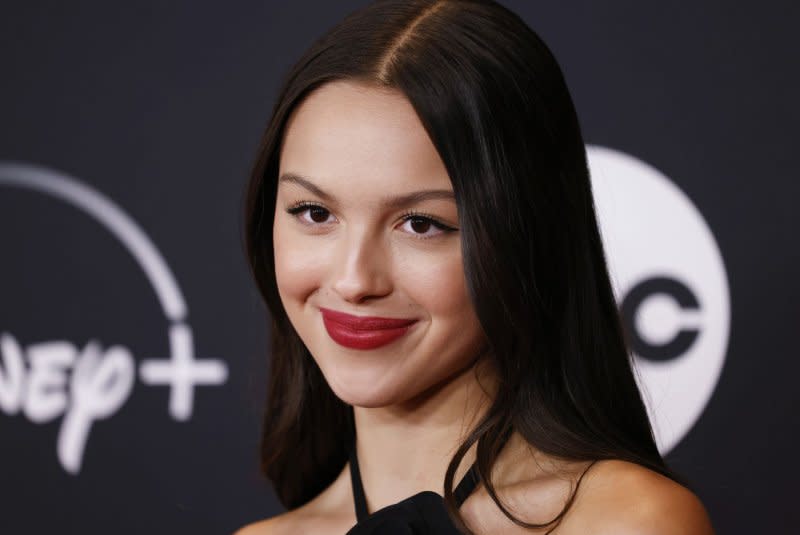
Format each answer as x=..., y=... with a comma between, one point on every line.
x=494, y=102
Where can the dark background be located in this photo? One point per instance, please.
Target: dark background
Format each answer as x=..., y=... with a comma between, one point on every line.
x=160, y=105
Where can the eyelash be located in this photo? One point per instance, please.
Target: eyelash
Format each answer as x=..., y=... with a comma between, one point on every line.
x=302, y=206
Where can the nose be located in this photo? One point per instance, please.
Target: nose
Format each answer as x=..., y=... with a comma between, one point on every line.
x=362, y=268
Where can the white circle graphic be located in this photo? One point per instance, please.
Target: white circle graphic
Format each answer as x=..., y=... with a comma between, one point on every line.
x=663, y=257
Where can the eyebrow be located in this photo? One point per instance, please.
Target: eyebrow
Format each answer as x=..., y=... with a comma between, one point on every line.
x=396, y=202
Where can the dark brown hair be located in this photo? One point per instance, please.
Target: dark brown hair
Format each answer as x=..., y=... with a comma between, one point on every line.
x=495, y=104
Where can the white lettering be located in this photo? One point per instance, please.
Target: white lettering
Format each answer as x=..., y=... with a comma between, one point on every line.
x=12, y=381
x=46, y=396
x=99, y=385
x=182, y=372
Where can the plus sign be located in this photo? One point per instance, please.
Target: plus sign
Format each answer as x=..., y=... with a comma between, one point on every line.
x=182, y=372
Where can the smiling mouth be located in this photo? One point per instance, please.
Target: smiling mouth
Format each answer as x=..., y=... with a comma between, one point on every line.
x=363, y=332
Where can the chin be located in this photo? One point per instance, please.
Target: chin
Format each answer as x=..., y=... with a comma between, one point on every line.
x=367, y=388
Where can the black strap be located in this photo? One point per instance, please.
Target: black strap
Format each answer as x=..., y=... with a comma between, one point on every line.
x=466, y=485
x=358, y=489
x=461, y=492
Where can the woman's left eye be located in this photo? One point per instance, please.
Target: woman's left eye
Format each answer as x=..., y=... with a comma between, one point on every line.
x=421, y=226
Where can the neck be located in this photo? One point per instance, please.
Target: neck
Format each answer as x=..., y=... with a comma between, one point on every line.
x=405, y=449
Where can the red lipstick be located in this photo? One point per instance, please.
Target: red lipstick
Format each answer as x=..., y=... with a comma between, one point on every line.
x=363, y=332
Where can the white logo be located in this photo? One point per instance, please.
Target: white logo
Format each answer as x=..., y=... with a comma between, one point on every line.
x=670, y=283
x=101, y=379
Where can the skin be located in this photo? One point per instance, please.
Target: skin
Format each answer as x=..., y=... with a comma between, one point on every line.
x=415, y=399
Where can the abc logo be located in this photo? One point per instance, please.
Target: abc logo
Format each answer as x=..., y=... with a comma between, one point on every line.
x=670, y=283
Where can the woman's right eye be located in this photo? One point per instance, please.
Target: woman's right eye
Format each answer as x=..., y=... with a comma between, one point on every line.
x=309, y=214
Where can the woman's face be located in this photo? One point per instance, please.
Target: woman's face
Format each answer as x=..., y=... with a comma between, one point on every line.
x=344, y=242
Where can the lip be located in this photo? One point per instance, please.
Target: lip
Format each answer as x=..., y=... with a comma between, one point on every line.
x=363, y=332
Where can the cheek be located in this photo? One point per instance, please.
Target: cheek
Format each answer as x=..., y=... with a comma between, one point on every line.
x=455, y=334
x=298, y=265
x=438, y=286
x=454, y=337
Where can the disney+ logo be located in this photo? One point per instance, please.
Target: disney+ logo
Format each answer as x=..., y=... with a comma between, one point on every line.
x=46, y=380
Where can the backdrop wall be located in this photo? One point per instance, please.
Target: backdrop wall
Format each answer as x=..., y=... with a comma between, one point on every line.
x=133, y=344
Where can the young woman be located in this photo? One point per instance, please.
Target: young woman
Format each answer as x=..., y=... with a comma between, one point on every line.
x=447, y=354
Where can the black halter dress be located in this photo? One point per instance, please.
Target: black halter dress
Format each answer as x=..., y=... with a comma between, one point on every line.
x=422, y=513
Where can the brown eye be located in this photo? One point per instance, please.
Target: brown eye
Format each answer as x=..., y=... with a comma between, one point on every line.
x=318, y=214
x=420, y=225
x=309, y=214
x=424, y=227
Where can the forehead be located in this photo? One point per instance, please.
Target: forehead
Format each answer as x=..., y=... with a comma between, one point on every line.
x=359, y=136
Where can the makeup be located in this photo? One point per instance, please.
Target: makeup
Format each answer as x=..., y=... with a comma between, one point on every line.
x=363, y=332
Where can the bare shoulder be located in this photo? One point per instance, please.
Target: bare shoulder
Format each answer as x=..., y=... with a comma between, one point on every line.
x=275, y=525
x=299, y=521
x=623, y=498
x=329, y=513
x=303, y=520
